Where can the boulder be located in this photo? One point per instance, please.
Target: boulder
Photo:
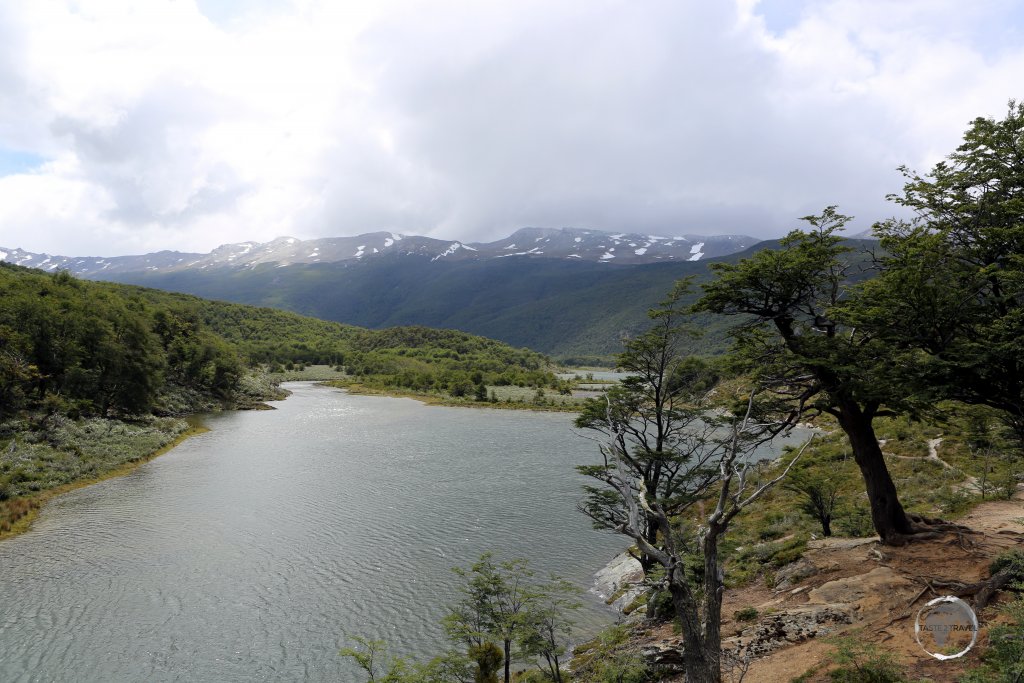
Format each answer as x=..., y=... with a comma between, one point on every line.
x=665, y=657
x=620, y=582
x=793, y=573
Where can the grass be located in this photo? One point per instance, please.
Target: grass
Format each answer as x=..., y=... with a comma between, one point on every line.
x=100, y=461
x=752, y=550
x=514, y=400
x=310, y=373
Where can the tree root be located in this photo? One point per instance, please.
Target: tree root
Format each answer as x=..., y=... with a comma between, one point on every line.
x=928, y=529
x=983, y=591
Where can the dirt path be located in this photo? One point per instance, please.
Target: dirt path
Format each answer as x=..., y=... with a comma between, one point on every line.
x=969, y=481
x=882, y=589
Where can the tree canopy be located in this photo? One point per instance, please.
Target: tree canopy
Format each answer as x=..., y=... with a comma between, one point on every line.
x=951, y=279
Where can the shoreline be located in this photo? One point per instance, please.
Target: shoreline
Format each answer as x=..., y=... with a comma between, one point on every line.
x=37, y=501
x=434, y=400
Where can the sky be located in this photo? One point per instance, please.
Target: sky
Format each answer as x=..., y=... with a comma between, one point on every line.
x=130, y=126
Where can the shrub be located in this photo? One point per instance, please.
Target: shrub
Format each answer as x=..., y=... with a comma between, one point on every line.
x=855, y=521
x=861, y=662
x=746, y=614
x=1012, y=560
x=1003, y=660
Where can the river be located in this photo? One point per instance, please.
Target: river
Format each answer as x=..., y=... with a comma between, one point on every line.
x=248, y=552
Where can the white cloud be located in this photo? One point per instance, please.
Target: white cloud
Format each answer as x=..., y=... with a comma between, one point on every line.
x=166, y=129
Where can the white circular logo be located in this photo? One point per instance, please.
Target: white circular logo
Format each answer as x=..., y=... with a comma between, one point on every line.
x=946, y=628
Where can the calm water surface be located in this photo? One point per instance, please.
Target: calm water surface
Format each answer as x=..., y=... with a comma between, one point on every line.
x=247, y=553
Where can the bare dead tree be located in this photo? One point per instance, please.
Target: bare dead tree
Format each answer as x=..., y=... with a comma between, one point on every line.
x=734, y=486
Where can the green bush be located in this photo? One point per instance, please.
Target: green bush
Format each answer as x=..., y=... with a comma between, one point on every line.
x=660, y=606
x=1003, y=659
x=1013, y=560
x=861, y=662
x=608, y=659
x=855, y=522
x=746, y=614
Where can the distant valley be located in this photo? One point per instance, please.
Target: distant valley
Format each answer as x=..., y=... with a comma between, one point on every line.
x=570, y=293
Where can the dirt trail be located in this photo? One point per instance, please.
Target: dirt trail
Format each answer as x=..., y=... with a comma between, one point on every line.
x=882, y=589
x=969, y=481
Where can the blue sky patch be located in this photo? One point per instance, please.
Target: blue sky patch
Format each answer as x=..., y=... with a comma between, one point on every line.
x=14, y=161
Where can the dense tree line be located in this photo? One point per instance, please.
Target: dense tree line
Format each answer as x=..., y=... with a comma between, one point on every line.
x=73, y=345
x=104, y=349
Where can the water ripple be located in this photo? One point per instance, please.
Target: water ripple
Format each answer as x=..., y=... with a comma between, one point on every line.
x=249, y=552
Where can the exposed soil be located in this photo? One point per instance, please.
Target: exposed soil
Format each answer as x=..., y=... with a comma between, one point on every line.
x=887, y=586
x=880, y=589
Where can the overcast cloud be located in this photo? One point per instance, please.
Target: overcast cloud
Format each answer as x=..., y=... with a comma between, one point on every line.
x=129, y=126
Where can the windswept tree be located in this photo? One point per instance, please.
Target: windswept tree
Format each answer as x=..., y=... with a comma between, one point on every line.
x=546, y=627
x=819, y=495
x=723, y=475
x=795, y=341
x=656, y=419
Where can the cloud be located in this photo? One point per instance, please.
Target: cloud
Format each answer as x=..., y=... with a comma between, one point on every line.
x=164, y=127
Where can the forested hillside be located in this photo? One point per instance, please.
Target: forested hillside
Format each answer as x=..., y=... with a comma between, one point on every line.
x=106, y=349
x=572, y=310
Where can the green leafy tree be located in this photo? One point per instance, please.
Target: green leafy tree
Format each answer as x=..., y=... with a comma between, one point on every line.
x=819, y=495
x=546, y=626
x=372, y=657
x=488, y=658
x=802, y=352
x=951, y=281
x=495, y=598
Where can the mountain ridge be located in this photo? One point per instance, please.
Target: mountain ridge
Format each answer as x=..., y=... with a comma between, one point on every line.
x=548, y=243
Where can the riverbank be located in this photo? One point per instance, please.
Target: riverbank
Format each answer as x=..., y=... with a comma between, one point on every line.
x=432, y=399
x=45, y=455
x=18, y=514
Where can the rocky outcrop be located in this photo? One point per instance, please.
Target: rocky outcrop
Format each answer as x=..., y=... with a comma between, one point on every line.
x=620, y=582
x=664, y=656
x=793, y=573
x=791, y=626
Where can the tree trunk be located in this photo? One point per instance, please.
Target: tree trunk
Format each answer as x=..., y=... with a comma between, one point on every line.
x=713, y=593
x=887, y=513
x=699, y=667
x=826, y=526
x=647, y=563
x=508, y=658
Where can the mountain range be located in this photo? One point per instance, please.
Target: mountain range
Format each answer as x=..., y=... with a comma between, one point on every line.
x=547, y=243
x=573, y=294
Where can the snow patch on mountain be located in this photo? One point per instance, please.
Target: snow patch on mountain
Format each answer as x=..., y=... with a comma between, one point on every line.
x=449, y=251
